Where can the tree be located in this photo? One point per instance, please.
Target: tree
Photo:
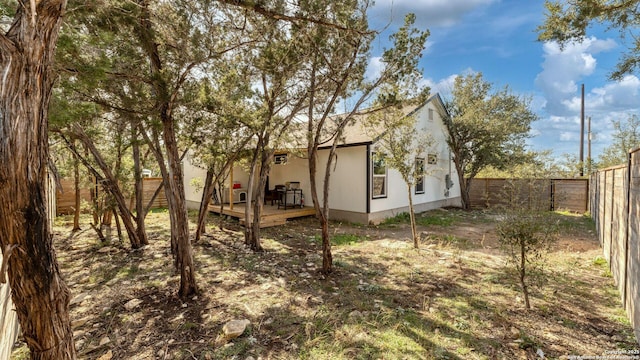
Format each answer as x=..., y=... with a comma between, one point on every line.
x=277, y=63
x=39, y=293
x=625, y=137
x=401, y=147
x=485, y=128
x=568, y=22
x=336, y=72
x=526, y=232
x=151, y=76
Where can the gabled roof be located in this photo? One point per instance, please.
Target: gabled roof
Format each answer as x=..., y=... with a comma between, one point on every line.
x=358, y=133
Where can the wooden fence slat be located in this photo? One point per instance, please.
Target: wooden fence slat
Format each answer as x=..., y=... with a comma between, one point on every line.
x=616, y=212
x=65, y=200
x=567, y=194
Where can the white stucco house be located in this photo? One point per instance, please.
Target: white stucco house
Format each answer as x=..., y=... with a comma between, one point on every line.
x=362, y=189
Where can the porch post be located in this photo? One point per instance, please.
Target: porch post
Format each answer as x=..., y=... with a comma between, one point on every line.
x=231, y=186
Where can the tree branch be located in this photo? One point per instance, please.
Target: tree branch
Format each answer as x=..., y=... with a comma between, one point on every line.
x=260, y=9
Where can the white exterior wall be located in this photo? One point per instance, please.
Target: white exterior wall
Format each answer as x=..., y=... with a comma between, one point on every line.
x=295, y=169
x=349, y=180
x=190, y=172
x=348, y=187
x=435, y=186
x=193, y=195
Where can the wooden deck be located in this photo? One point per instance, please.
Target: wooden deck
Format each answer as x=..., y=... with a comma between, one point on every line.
x=271, y=215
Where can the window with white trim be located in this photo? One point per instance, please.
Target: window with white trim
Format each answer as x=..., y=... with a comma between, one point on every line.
x=419, y=175
x=378, y=178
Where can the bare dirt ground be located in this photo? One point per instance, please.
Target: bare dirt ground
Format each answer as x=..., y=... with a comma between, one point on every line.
x=452, y=299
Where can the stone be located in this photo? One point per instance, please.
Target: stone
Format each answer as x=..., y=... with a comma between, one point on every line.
x=132, y=304
x=514, y=332
x=106, y=356
x=80, y=298
x=104, y=341
x=79, y=322
x=106, y=249
x=235, y=328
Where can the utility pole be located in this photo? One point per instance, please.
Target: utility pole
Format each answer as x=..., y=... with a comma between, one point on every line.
x=582, y=133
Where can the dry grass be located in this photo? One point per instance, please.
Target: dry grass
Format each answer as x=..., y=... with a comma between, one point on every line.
x=452, y=299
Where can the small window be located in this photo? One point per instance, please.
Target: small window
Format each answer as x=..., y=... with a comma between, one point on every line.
x=430, y=114
x=379, y=178
x=280, y=159
x=419, y=175
x=432, y=159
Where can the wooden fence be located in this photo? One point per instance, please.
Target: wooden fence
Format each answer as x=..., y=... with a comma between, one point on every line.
x=615, y=208
x=561, y=194
x=9, y=327
x=65, y=200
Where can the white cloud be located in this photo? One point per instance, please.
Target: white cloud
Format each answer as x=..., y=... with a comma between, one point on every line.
x=444, y=87
x=428, y=12
x=563, y=68
x=374, y=68
x=569, y=136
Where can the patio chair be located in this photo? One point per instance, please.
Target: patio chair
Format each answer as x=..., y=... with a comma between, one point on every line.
x=275, y=194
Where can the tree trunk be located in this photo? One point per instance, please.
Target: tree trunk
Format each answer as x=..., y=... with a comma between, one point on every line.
x=327, y=258
x=248, y=230
x=178, y=210
x=39, y=293
x=139, y=187
x=412, y=217
x=111, y=184
x=76, y=187
x=118, y=227
x=258, y=204
x=172, y=175
x=94, y=199
x=523, y=283
x=464, y=185
x=207, y=193
x=322, y=213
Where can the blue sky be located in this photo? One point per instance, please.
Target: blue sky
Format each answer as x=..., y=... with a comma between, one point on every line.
x=498, y=39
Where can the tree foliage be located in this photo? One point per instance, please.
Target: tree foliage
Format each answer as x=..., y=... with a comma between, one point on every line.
x=625, y=137
x=337, y=68
x=486, y=128
x=567, y=22
x=526, y=233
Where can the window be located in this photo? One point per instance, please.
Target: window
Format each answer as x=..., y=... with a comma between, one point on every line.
x=419, y=175
x=379, y=178
x=432, y=159
x=280, y=159
x=430, y=114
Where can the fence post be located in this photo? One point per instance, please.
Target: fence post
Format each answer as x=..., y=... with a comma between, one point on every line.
x=613, y=202
x=626, y=233
x=552, y=205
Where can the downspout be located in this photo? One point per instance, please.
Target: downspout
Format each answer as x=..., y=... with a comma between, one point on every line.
x=368, y=180
x=450, y=183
